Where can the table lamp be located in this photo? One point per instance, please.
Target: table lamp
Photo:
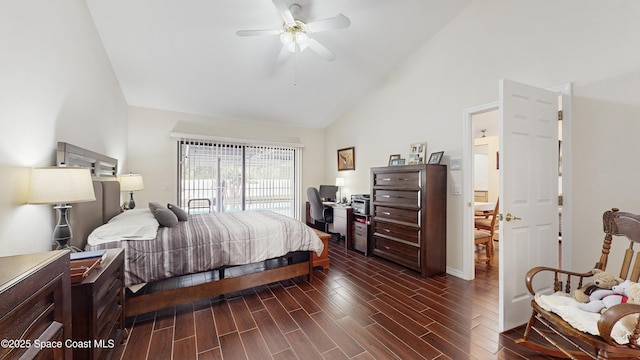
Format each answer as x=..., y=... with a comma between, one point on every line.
x=61, y=186
x=340, y=184
x=131, y=182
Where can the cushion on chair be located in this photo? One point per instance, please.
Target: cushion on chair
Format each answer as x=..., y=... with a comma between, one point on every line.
x=486, y=223
x=479, y=234
x=566, y=307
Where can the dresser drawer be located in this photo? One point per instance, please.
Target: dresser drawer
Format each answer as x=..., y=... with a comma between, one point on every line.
x=398, y=252
x=35, y=304
x=411, y=216
x=410, y=234
x=410, y=198
x=397, y=179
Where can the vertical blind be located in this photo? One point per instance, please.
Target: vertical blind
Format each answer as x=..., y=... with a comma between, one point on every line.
x=224, y=176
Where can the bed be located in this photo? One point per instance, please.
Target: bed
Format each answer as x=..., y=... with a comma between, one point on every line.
x=239, y=245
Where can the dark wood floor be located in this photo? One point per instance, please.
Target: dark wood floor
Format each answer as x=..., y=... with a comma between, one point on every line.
x=360, y=308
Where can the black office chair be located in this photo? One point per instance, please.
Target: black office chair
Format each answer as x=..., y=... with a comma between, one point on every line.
x=320, y=213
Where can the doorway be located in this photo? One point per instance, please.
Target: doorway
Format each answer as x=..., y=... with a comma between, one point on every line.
x=486, y=145
x=564, y=94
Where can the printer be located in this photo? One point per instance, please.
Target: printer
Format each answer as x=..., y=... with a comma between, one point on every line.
x=360, y=203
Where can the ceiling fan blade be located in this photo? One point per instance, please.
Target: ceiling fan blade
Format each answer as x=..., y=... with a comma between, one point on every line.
x=284, y=11
x=258, y=32
x=321, y=50
x=283, y=56
x=337, y=22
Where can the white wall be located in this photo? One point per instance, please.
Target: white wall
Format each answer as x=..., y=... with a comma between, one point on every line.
x=56, y=84
x=152, y=152
x=542, y=43
x=492, y=173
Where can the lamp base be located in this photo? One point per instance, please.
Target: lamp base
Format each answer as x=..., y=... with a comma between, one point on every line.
x=64, y=245
x=62, y=233
x=132, y=204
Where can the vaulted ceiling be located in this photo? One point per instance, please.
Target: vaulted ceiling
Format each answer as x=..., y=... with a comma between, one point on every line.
x=185, y=56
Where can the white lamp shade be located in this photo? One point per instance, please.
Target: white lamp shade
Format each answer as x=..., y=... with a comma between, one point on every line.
x=339, y=181
x=60, y=185
x=131, y=182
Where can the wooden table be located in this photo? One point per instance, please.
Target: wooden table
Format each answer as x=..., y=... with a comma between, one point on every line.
x=484, y=207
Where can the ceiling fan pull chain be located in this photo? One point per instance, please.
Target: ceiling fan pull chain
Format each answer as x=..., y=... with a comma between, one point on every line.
x=295, y=67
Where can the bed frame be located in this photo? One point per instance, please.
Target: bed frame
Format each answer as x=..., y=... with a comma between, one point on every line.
x=85, y=217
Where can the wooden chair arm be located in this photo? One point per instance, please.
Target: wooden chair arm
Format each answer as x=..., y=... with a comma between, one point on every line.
x=613, y=315
x=533, y=271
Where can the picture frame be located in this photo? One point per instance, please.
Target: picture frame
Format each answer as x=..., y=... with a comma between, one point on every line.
x=393, y=157
x=346, y=159
x=417, y=153
x=397, y=162
x=435, y=158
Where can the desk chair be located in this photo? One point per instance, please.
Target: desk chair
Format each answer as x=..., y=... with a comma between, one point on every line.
x=320, y=213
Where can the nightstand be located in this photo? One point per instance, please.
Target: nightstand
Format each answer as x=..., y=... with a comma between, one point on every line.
x=97, y=307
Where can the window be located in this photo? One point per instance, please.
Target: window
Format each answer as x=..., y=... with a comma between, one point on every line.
x=236, y=177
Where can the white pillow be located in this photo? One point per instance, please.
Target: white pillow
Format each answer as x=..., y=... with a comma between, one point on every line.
x=136, y=224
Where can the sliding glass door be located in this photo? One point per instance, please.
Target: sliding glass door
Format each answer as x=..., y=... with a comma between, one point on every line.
x=219, y=177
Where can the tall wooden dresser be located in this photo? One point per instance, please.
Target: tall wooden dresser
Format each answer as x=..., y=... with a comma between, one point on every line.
x=35, y=306
x=409, y=216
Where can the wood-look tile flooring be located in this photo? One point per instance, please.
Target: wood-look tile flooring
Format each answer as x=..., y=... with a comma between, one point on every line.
x=359, y=308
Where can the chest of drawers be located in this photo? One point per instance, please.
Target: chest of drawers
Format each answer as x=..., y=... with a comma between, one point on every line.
x=409, y=216
x=35, y=306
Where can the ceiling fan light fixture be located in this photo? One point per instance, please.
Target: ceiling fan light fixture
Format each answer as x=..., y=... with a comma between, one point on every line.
x=294, y=37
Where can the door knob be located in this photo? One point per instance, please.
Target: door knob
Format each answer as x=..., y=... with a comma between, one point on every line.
x=510, y=217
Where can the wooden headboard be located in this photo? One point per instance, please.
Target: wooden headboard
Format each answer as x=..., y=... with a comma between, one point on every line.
x=85, y=217
x=100, y=165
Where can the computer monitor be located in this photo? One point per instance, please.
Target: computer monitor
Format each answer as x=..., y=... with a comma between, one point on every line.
x=328, y=192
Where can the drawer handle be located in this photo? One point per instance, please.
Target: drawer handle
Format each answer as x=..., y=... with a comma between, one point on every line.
x=387, y=230
x=387, y=248
x=386, y=213
x=386, y=179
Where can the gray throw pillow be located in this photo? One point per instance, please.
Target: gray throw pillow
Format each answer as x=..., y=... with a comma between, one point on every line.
x=165, y=216
x=154, y=205
x=181, y=214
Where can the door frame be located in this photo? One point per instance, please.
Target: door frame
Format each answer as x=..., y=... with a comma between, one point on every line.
x=468, y=248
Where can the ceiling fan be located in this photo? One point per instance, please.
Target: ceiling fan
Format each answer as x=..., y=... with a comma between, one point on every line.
x=296, y=35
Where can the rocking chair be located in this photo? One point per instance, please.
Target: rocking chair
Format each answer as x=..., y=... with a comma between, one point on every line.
x=567, y=341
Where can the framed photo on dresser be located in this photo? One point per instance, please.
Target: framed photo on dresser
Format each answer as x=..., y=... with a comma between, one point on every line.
x=417, y=153
x=435, y=157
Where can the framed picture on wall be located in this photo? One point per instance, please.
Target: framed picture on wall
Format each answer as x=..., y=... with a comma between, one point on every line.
x=346, y=159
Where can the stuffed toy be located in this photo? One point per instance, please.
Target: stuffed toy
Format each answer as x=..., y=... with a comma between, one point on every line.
x=601, y=280
x=603, y=299
x=633, y=293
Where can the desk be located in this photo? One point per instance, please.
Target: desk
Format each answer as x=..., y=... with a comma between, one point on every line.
x=342, y=221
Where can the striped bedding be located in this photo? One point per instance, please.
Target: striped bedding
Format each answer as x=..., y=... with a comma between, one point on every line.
x=208, y=241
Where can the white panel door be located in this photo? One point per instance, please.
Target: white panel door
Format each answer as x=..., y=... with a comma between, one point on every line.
x=528, y=193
